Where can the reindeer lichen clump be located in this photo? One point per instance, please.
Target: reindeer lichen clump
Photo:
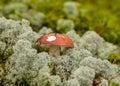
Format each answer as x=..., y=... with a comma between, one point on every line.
x=84, y=65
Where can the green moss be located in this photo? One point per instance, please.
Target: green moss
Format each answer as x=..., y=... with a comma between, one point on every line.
x=115, y=84
x=114, y=58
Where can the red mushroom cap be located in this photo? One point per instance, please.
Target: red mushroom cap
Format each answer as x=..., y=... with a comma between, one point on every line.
x=56, y=39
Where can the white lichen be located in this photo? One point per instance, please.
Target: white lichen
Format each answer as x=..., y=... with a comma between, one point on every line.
x=105, y=50
x=104, y=82
x=37, y=19
x=72, y=82
x=75, y=38
x=71, y=8
x=76, y=66
x=92, y=41
x=100, y=67
x=22, y=59
x=11, y=29
x=84, y=75
x=44, y=30
x=65, y=25
x=97, y=45
x=76, y=55
x=30, y=36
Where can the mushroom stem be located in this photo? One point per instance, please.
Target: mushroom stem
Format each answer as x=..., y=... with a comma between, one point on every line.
x=54, y=50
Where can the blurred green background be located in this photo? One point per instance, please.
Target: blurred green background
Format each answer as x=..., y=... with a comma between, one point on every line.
x=102, y=16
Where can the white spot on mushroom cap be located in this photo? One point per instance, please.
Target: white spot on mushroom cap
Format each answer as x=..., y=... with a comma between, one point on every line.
x=51, y=38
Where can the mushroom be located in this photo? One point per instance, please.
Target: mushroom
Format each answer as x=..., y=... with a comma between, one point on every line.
x=55, y=40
